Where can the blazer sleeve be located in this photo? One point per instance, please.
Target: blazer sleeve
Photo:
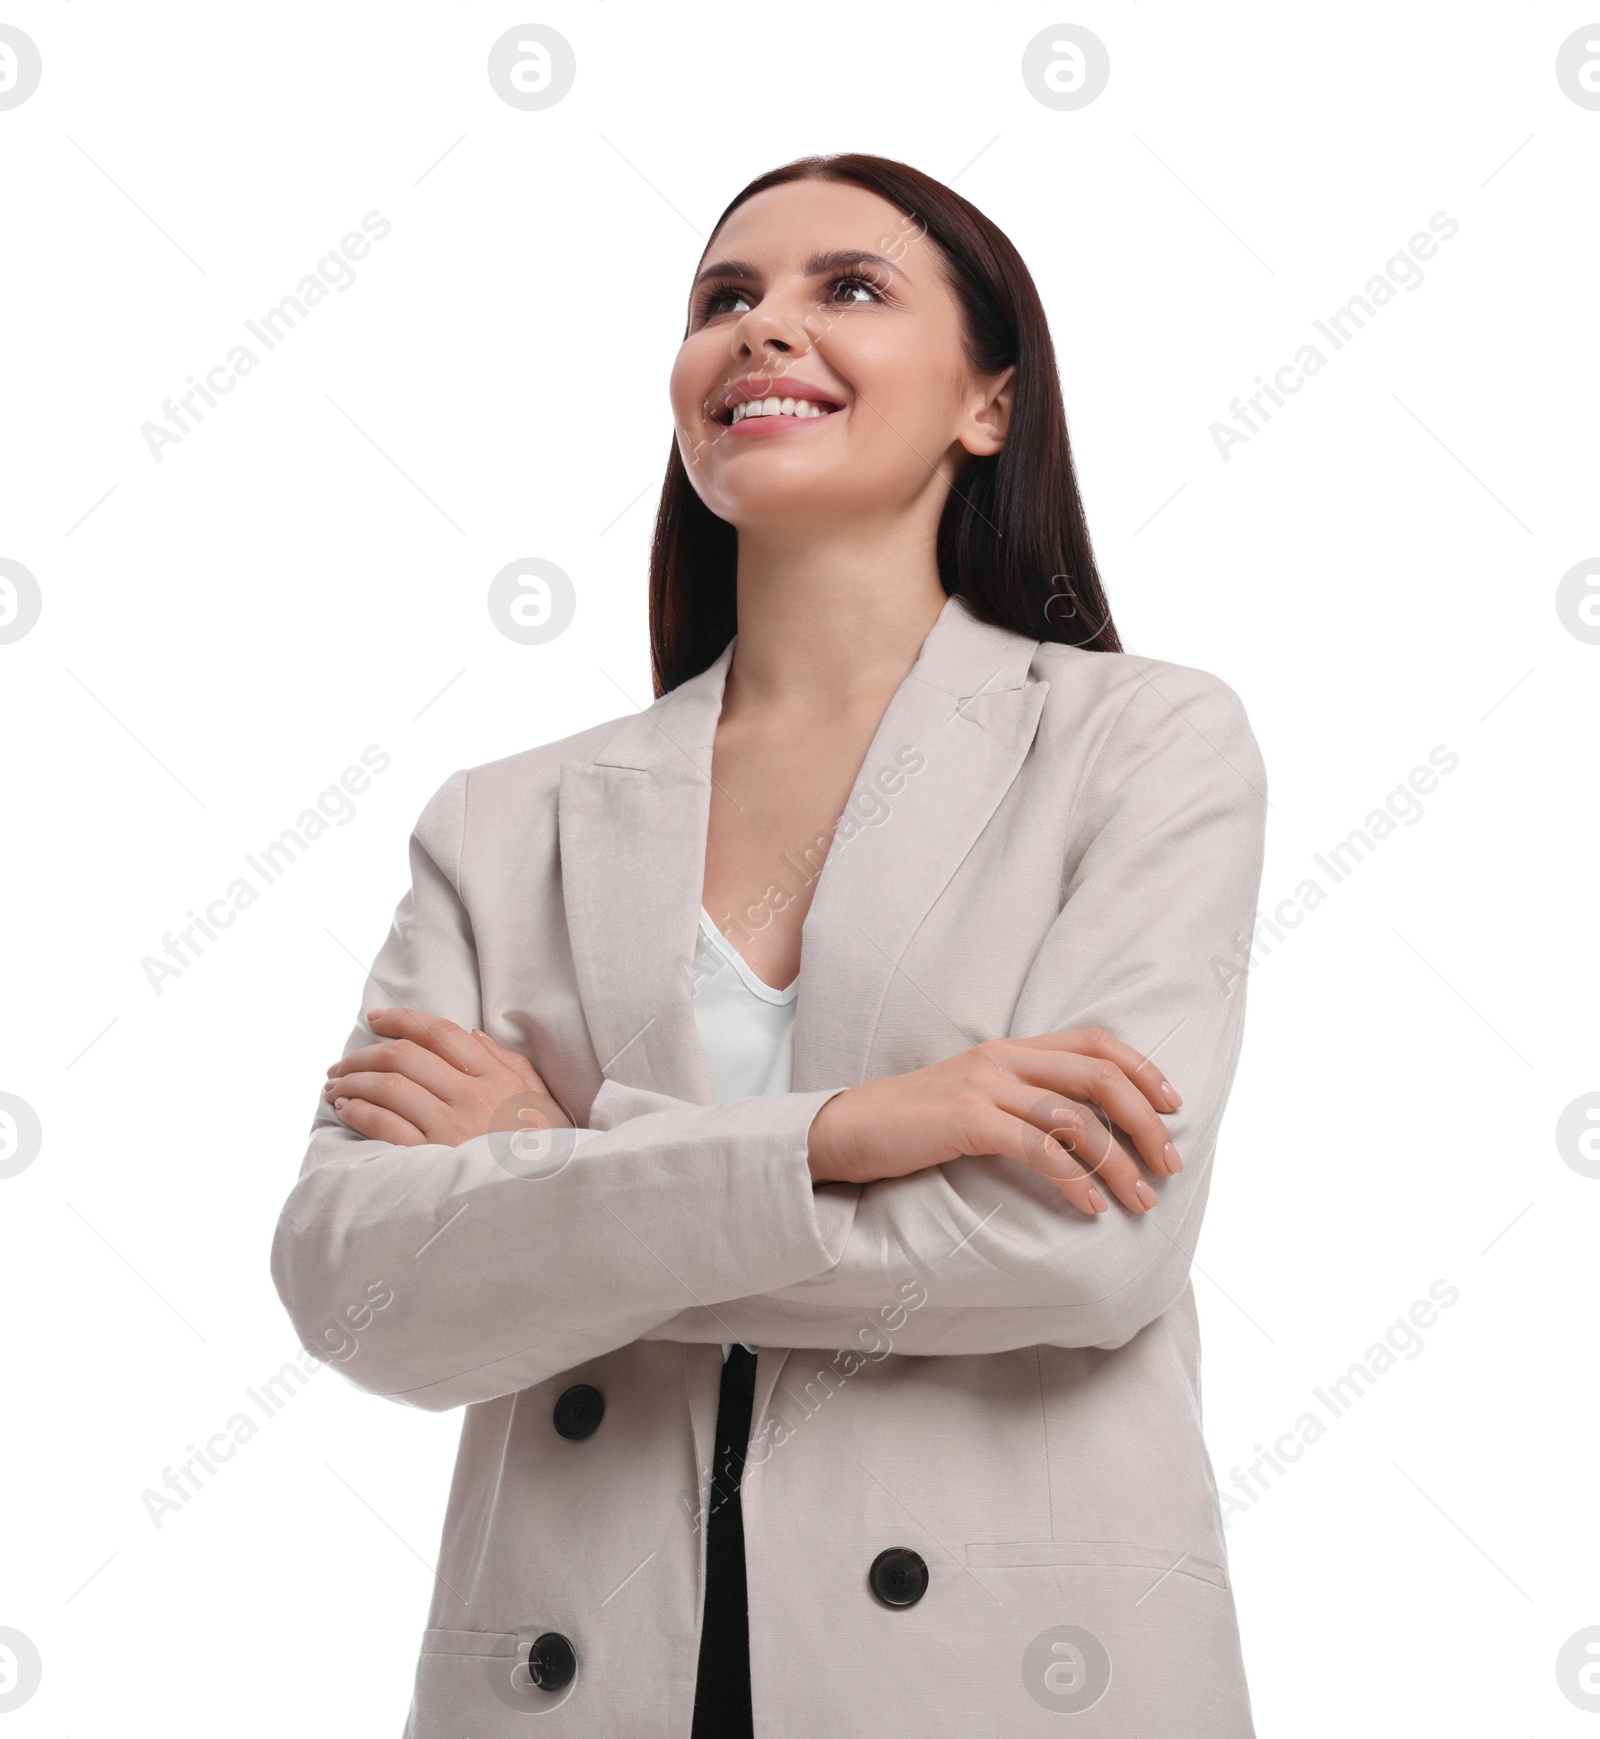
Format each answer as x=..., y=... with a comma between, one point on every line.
x=980, y=1255
x=439, y=1276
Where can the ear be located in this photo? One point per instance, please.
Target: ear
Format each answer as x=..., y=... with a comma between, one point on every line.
x=990, y=417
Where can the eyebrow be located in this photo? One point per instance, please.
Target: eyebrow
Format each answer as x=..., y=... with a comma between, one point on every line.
x=839, y=260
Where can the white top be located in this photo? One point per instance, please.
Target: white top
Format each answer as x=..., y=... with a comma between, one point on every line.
x=746, y=1027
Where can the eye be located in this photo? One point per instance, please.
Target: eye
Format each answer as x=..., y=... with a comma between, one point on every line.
x=856, y=290
x=723, y=299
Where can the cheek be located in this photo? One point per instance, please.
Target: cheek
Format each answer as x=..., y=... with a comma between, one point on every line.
x=694, y=373
x=903, y=394
x=679, y=391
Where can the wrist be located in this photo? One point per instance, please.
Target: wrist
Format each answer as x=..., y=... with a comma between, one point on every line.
x=823, y=1148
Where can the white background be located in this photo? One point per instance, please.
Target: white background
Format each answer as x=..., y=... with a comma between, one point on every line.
x=224, y=630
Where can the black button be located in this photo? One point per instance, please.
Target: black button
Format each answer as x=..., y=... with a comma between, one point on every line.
x=899, y=1577
x=552, y=1662
x=579, y=1411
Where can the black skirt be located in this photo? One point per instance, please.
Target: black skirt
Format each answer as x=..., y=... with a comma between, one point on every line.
x=722, y=1682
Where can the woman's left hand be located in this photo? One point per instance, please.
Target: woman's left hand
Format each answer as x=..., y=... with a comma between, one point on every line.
x=432, y=1082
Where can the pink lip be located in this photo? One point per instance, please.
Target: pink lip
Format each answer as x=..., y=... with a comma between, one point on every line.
x=782, y=386
x=760, y=428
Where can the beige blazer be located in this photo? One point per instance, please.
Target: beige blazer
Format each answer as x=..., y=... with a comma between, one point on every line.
x=957, y=1363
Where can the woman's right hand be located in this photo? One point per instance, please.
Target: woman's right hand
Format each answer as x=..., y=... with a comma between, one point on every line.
x=1025, y=1099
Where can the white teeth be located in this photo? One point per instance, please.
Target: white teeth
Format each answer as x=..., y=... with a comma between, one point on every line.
x=774, y=407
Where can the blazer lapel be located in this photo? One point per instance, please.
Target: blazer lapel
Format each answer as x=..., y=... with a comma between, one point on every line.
x=632, y=826
x=958, y=729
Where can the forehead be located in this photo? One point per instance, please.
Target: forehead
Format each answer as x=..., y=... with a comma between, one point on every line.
x=783, y=225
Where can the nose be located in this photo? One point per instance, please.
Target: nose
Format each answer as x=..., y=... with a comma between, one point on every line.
x=769, y=330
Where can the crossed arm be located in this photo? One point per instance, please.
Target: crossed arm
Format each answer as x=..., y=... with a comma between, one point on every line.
x=783, y=1220
x=427, y=1081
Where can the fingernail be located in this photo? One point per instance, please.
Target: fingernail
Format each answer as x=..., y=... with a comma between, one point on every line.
x=1171, y=1092
x=373, y=1013
x=339, y=1104
x=1097, y=1201
x=1146, y=1195
x=1170, y=1154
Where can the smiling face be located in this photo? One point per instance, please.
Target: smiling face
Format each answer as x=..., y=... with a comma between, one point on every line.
x=824, y=370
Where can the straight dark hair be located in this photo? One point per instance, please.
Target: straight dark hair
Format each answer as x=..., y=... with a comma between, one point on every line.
x=1012, y=542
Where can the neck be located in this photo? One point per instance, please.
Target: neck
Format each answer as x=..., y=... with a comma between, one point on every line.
x=831, y=620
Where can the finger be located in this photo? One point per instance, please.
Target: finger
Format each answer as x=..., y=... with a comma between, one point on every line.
x=1146, y=1075
x=1016, y=1138
x=391, y=1093
x=1097, y=1042
x=377, y=1124
x=1104, y=1084
x=1075, y=1127
x=433, y=1033
x=402, y=1057
x=513, y=1060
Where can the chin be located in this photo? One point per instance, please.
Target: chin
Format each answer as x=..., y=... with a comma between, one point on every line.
x=781, y=496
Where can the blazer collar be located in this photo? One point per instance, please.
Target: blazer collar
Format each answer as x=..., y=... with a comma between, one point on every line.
x=633, y=826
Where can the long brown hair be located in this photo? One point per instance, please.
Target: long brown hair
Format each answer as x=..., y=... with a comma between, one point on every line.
x=1012, y=540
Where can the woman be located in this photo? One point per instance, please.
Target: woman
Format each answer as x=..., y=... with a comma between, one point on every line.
x=771, y=1128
